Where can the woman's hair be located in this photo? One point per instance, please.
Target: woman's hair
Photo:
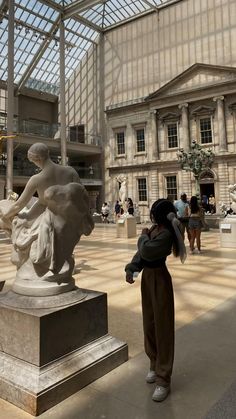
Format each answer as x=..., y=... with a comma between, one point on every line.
x=194, y=206
x=158, y=214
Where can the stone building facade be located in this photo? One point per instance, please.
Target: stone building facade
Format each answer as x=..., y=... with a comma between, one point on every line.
x=143, y=138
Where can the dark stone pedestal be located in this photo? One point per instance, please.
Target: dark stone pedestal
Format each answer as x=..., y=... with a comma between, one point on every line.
x=47, y=354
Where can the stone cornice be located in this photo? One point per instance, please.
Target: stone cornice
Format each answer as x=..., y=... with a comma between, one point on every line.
x=159, y=164
x=172, y=164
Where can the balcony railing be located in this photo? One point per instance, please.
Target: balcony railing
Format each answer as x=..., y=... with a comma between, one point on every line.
x=74, y=134
x=27, y=170
x=52, y=131
x=38, y=128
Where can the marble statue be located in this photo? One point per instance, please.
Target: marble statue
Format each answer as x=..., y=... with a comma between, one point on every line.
x=123, y=194
x=44, y=231
x=232, y=193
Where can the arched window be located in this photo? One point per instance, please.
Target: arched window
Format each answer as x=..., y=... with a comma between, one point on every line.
x=207, y=174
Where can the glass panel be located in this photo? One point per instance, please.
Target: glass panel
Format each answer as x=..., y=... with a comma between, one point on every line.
x=36, y=21
x=205, y=130
x=140, y=136
x=172, y=132
x=120, y=143
x=142, y=189
x=171, y=186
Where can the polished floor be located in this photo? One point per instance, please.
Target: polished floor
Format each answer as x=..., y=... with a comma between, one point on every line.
x=204, y=376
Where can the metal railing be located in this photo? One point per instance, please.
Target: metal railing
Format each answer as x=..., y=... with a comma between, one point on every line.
x=74, y=134
x=52, y=131
x=26, y=169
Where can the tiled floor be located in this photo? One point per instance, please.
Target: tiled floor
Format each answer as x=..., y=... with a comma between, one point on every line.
x=205, y=361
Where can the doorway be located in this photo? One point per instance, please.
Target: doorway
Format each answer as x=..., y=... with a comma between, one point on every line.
x=207, y=190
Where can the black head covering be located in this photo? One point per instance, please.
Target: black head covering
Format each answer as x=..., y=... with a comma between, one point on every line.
x=163, y=212
x=160, y=209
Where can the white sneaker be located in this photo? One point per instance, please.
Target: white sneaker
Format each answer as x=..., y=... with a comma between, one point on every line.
x=191, y=252
x=160, y=393
x=199, y=252
x=151, y=377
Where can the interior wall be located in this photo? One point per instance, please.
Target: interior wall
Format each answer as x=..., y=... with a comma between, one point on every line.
x=82, y=98
x=145, y=54
x=141, y=56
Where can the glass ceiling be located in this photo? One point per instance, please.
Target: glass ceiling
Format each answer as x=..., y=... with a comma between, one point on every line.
x=36, y=47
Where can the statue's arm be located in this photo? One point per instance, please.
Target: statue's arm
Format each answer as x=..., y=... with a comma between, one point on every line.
x=26, y=195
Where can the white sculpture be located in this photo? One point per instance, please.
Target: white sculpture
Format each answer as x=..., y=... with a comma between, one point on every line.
x=123, y=190
x=232, y=193
x=44, y=236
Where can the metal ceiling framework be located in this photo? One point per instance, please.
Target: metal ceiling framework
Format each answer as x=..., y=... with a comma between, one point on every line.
x=37, y=35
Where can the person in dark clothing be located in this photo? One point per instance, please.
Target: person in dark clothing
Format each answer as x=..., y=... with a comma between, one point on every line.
x=117, y=208
x=154, y=245
x=130, y=206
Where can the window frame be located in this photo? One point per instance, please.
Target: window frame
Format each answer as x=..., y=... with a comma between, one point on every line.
x=200, y=118
x=167, y=124
x=169, y=191
x=139, y=190
x=136, y=129
x=117, y=132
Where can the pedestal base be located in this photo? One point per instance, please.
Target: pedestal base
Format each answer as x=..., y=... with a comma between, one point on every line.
x=228, y=231
x=49, y=353
x=36, y=389
x=126, y=227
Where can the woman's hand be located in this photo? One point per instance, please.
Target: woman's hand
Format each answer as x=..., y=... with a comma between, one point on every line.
x=145, y=231
x=129, y=277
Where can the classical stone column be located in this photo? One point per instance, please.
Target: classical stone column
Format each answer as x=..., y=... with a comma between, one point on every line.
x=154, y=133
x=185, y=126
x=221, y=122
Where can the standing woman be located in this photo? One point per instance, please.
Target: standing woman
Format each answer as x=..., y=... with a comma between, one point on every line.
x=154, y=245
x=195, y=224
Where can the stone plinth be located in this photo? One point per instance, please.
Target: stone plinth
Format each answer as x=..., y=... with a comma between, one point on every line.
x=213, y=220
x=126, y=227
x=49, y=353
x=228, y=231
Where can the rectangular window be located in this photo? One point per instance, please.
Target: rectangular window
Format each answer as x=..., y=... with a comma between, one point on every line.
x=140, y=137
x=120, y=142
x=3, y=100
x=171, y=186
x=77, y=133
x=142, y=189
x=172, y=133
x=205, y=130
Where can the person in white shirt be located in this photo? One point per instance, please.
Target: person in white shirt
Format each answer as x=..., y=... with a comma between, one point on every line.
x=105, y=212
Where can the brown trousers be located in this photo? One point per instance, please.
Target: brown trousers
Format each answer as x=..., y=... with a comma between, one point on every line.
x=158, y=321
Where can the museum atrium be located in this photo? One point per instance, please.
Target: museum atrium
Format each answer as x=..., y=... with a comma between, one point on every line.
x=133, y=94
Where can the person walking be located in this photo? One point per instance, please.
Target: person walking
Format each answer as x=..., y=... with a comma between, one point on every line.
x=117, y=209
x=212, y=204
x=182, y=208
x=105, y=212
x=154, y=245
x=130, y=206
x=195, y=224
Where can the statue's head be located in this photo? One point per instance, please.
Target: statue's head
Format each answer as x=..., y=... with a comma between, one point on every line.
x=38, y=153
